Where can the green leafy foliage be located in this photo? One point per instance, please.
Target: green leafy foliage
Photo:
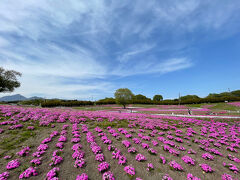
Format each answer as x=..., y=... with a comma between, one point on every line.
x=123, y=96
x=8, y=80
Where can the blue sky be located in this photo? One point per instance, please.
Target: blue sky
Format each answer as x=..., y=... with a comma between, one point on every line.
x=80, y=49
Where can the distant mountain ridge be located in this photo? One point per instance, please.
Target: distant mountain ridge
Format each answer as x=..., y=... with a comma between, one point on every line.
x=18, y=97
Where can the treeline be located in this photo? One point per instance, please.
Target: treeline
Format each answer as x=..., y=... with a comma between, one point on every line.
x=188, y=99
x=55, y=103
x=137, y=99
x=66, y=103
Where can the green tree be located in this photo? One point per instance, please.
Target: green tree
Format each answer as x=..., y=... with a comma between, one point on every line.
x=236, y=93
x=157, y=97
x=213, y=95
x=123, y=96
x=140, y=97
x=189, y=97
x=8, y=80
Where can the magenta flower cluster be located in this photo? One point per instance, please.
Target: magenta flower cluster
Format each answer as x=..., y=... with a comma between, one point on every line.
x=175, y=166
x=83, y=176
x=206, y=168
x=103, y=166
x=52, y=174
x=4, y=175
x=13, y=164
x=129, y=170
x=191, y=177
x=31, y=171
x=140, y=157
x=23, y=152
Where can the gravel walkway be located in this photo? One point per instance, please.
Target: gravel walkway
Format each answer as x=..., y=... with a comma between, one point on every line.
x=201, y=116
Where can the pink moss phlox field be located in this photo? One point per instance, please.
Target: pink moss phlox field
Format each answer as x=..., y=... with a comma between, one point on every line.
x=235, y=104
x=214, y=140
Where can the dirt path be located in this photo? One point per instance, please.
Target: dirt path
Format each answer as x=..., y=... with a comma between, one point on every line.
x=200, y=116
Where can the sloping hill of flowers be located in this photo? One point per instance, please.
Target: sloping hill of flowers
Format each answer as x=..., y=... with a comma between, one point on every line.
x=39, y=143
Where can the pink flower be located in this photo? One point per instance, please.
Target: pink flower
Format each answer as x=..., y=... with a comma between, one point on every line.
x=79, y=163
x=13, y=164
x=150, y=167
x=36, y=161
x=24, y=151
x=76, y=147
x=140, y=157
x=129, y=170
x=103, y=166
x=4, y=175
x=7, y=157
x=83, y=176
x=175, y=166
x=59, y=145
x=126, y=143
x=162, y=159
x=152, y=151
x=167, y=177
x=122, y=160
x=206, y=168
x=132, y=150
x=191, y=177
x=53, y=173
x=207, y=156
x=108, y=176
x=188, y=160
x=99, y=157
x=145, y=145
x=31, y=171
x=56, y=160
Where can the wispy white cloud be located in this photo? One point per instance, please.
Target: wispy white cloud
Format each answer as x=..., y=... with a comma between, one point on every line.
x=154, y=66
x=134, y=51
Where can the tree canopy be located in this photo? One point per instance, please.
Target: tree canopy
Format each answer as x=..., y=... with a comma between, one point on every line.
x=157, y=97
x=189, y=97
x=236, y=93
x=140, y=97
x=123, y=96
x=8, y=80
